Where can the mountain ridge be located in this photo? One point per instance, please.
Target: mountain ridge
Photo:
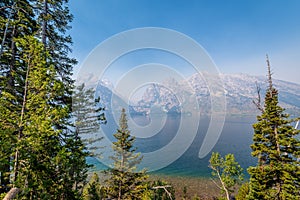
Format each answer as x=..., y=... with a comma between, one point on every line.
x=240, y=91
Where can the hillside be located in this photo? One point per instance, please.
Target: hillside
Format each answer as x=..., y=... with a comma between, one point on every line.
x=240, y=91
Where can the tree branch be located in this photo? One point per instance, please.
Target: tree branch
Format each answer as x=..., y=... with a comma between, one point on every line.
x=257, y=102
x=12, y=193
x=269, y=73
x=165, y=188
x=216, y=183
x=223, y=185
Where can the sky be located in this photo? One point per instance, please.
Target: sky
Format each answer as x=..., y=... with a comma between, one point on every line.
x=237, y=34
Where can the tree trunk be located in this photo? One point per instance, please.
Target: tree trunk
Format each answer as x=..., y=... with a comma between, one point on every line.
x=6, y=28
x=224, y=187
x=16, y=165
x=12, y=193
x=5, y=176
x=120, y=191
x=277, y=141
x=5, y=173
x=44, y=26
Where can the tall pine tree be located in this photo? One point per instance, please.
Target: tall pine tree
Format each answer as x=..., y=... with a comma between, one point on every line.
x=16, y=22
x=38, y=153
x=88, y=116
x=54, y=17
x=125, y=182
x=277, y=174
x=38, y=146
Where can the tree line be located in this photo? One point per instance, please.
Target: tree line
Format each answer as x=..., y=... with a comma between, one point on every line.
x=44, y=117
x=41, y=154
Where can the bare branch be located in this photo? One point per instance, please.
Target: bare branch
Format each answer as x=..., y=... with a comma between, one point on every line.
x=223, y=185
x=216, y=183
x=297, y=124
x=269, y=76
x=165, y=188
x=257, y=102
x=4, y=7
x=6, y=28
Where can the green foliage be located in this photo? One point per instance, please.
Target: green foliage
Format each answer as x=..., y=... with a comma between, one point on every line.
x=195, y=197
x=88, y=116
x=38, y=147
x=227, y=170
x=16, y=22
x=277, y=174
x=94, y=190
x=125, y=182
x=2, y=195
x=243, y=191
x=38, y=152
x=53, y=18
x=87, y=120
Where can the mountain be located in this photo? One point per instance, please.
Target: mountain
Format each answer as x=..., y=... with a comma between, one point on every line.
x=240, y=91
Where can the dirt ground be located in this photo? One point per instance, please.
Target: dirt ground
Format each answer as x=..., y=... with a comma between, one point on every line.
x=202, y=187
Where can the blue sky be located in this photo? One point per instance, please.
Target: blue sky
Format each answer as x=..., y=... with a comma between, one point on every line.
x=237, y=34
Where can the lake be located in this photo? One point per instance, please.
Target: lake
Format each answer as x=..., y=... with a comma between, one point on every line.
x=236, y=137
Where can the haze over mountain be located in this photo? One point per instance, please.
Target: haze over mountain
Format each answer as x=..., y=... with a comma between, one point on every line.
x=240, y=91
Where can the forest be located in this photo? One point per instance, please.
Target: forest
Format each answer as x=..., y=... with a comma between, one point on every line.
x=45, y=117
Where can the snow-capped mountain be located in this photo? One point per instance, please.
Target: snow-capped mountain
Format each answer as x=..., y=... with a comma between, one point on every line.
x=240, y=91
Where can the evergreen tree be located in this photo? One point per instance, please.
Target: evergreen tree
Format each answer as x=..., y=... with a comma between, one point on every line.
x=53, y=17
x=87, y=119
x=277, y=174
x=125, y=182
x=38, y=146
x=243, y=191
x=94, y=190
x=89, y=115
x=227, y=170
x=16, y=22
x=38, y=152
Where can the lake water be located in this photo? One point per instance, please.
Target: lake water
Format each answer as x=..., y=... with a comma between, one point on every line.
x=235, y=138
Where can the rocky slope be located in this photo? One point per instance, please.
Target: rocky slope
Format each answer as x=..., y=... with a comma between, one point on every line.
x=240, y=91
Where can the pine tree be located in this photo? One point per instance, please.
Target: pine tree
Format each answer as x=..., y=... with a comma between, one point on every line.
x=89, y=115
x=277, y=174
x=243, y=191
x=38, y=145
x=38, y=156
x=16, y=21
x=125, y=182
x=87, y=119
x=94, y=190
x=227, y=170
x=53, y=17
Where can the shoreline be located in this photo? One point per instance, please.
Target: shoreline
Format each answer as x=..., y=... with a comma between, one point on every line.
x=203, y=187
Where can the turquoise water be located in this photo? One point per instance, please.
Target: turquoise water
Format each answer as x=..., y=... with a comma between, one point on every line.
x=235, y=138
